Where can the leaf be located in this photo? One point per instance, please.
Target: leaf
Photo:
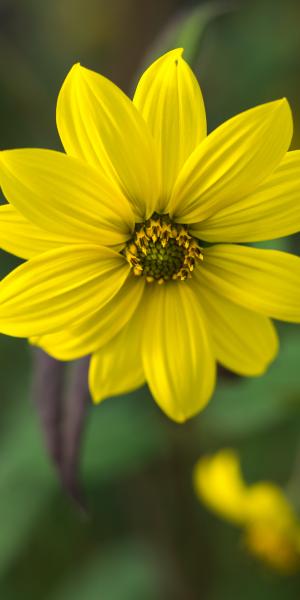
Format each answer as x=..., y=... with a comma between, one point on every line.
x=26, y=482
x=74, y=415
x=122, y=571
x=242, y=406
x=62, y=411
x=123, y=435
x=186, y=30
x=48, y=382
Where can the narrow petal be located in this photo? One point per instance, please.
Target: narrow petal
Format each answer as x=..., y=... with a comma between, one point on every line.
x=99, y=124
x=170, y=100
x=65, y=196
x=272, y=211
x=97, y=329
x=244, y=341
x=59, y=288
x=117, y=368
x=219, y=483
x=266, y=281
x=232, y=161
x=177, y=352
x=23, y=238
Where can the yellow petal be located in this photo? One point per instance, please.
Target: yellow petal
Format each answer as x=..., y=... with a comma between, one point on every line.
x=117, y=367
x=219, y=484
x=170, y=100
x=59, y=288
x=272, y=211
x=65, y=196
x=98, y=123
x=232, y=161
x=279, y=549
x=177, y=353
x=22, y=238
x=267, y=502
x=244, y=341
x=272, y=531
x=266, y=281
x=97, y=329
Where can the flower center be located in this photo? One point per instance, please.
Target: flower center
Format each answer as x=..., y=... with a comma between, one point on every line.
x=161, y=250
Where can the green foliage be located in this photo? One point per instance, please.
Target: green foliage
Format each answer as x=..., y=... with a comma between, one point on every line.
x=245, y=406
x=115, y=447
x=126, y=571
x=186, y=31
x=145, y=536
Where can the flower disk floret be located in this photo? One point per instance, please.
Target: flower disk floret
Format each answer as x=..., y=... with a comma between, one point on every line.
x=161, y=250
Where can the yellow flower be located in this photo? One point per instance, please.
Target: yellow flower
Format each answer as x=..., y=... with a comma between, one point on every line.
x=120, y=234
x=271, y=527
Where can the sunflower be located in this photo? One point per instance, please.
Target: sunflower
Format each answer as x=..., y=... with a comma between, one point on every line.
x=120, y=230
x=271, y=528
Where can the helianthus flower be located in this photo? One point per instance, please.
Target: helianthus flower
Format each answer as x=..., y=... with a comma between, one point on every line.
x=120, y=234
x=270, y=525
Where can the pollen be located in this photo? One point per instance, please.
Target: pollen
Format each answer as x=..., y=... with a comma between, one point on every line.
x=162, y=250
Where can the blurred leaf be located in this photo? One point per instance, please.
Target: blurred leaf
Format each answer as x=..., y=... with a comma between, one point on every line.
x=283, y=244
x=124, y=571
x=25, y=476
x=76, y=401
x=25, y=482
x=48, y=388
x=242, y=406
x=186, y=30
x=191, y=26
x=123, y=434
x=62, y=411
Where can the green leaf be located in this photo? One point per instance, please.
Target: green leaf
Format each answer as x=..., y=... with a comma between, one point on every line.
x=123, y=571
x=123, y=434
x=242, y=406
x=283, y=244
x=191, y=26
x=186, y=30
x=26, y=482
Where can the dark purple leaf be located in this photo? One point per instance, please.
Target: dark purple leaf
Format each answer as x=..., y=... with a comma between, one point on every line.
x=60, y=393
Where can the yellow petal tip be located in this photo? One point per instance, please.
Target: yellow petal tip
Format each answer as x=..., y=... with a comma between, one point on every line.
x=96, y=398
x=282, y=103
x=173, y=55
x=178, y=51
x=74, y=70
x=96, y=401
x=75, y=67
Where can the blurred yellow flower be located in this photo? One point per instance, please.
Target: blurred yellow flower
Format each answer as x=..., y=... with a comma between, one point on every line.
x=120, y=234
x=271, y=527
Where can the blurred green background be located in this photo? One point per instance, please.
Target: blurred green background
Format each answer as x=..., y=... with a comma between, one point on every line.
x=145, y=536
